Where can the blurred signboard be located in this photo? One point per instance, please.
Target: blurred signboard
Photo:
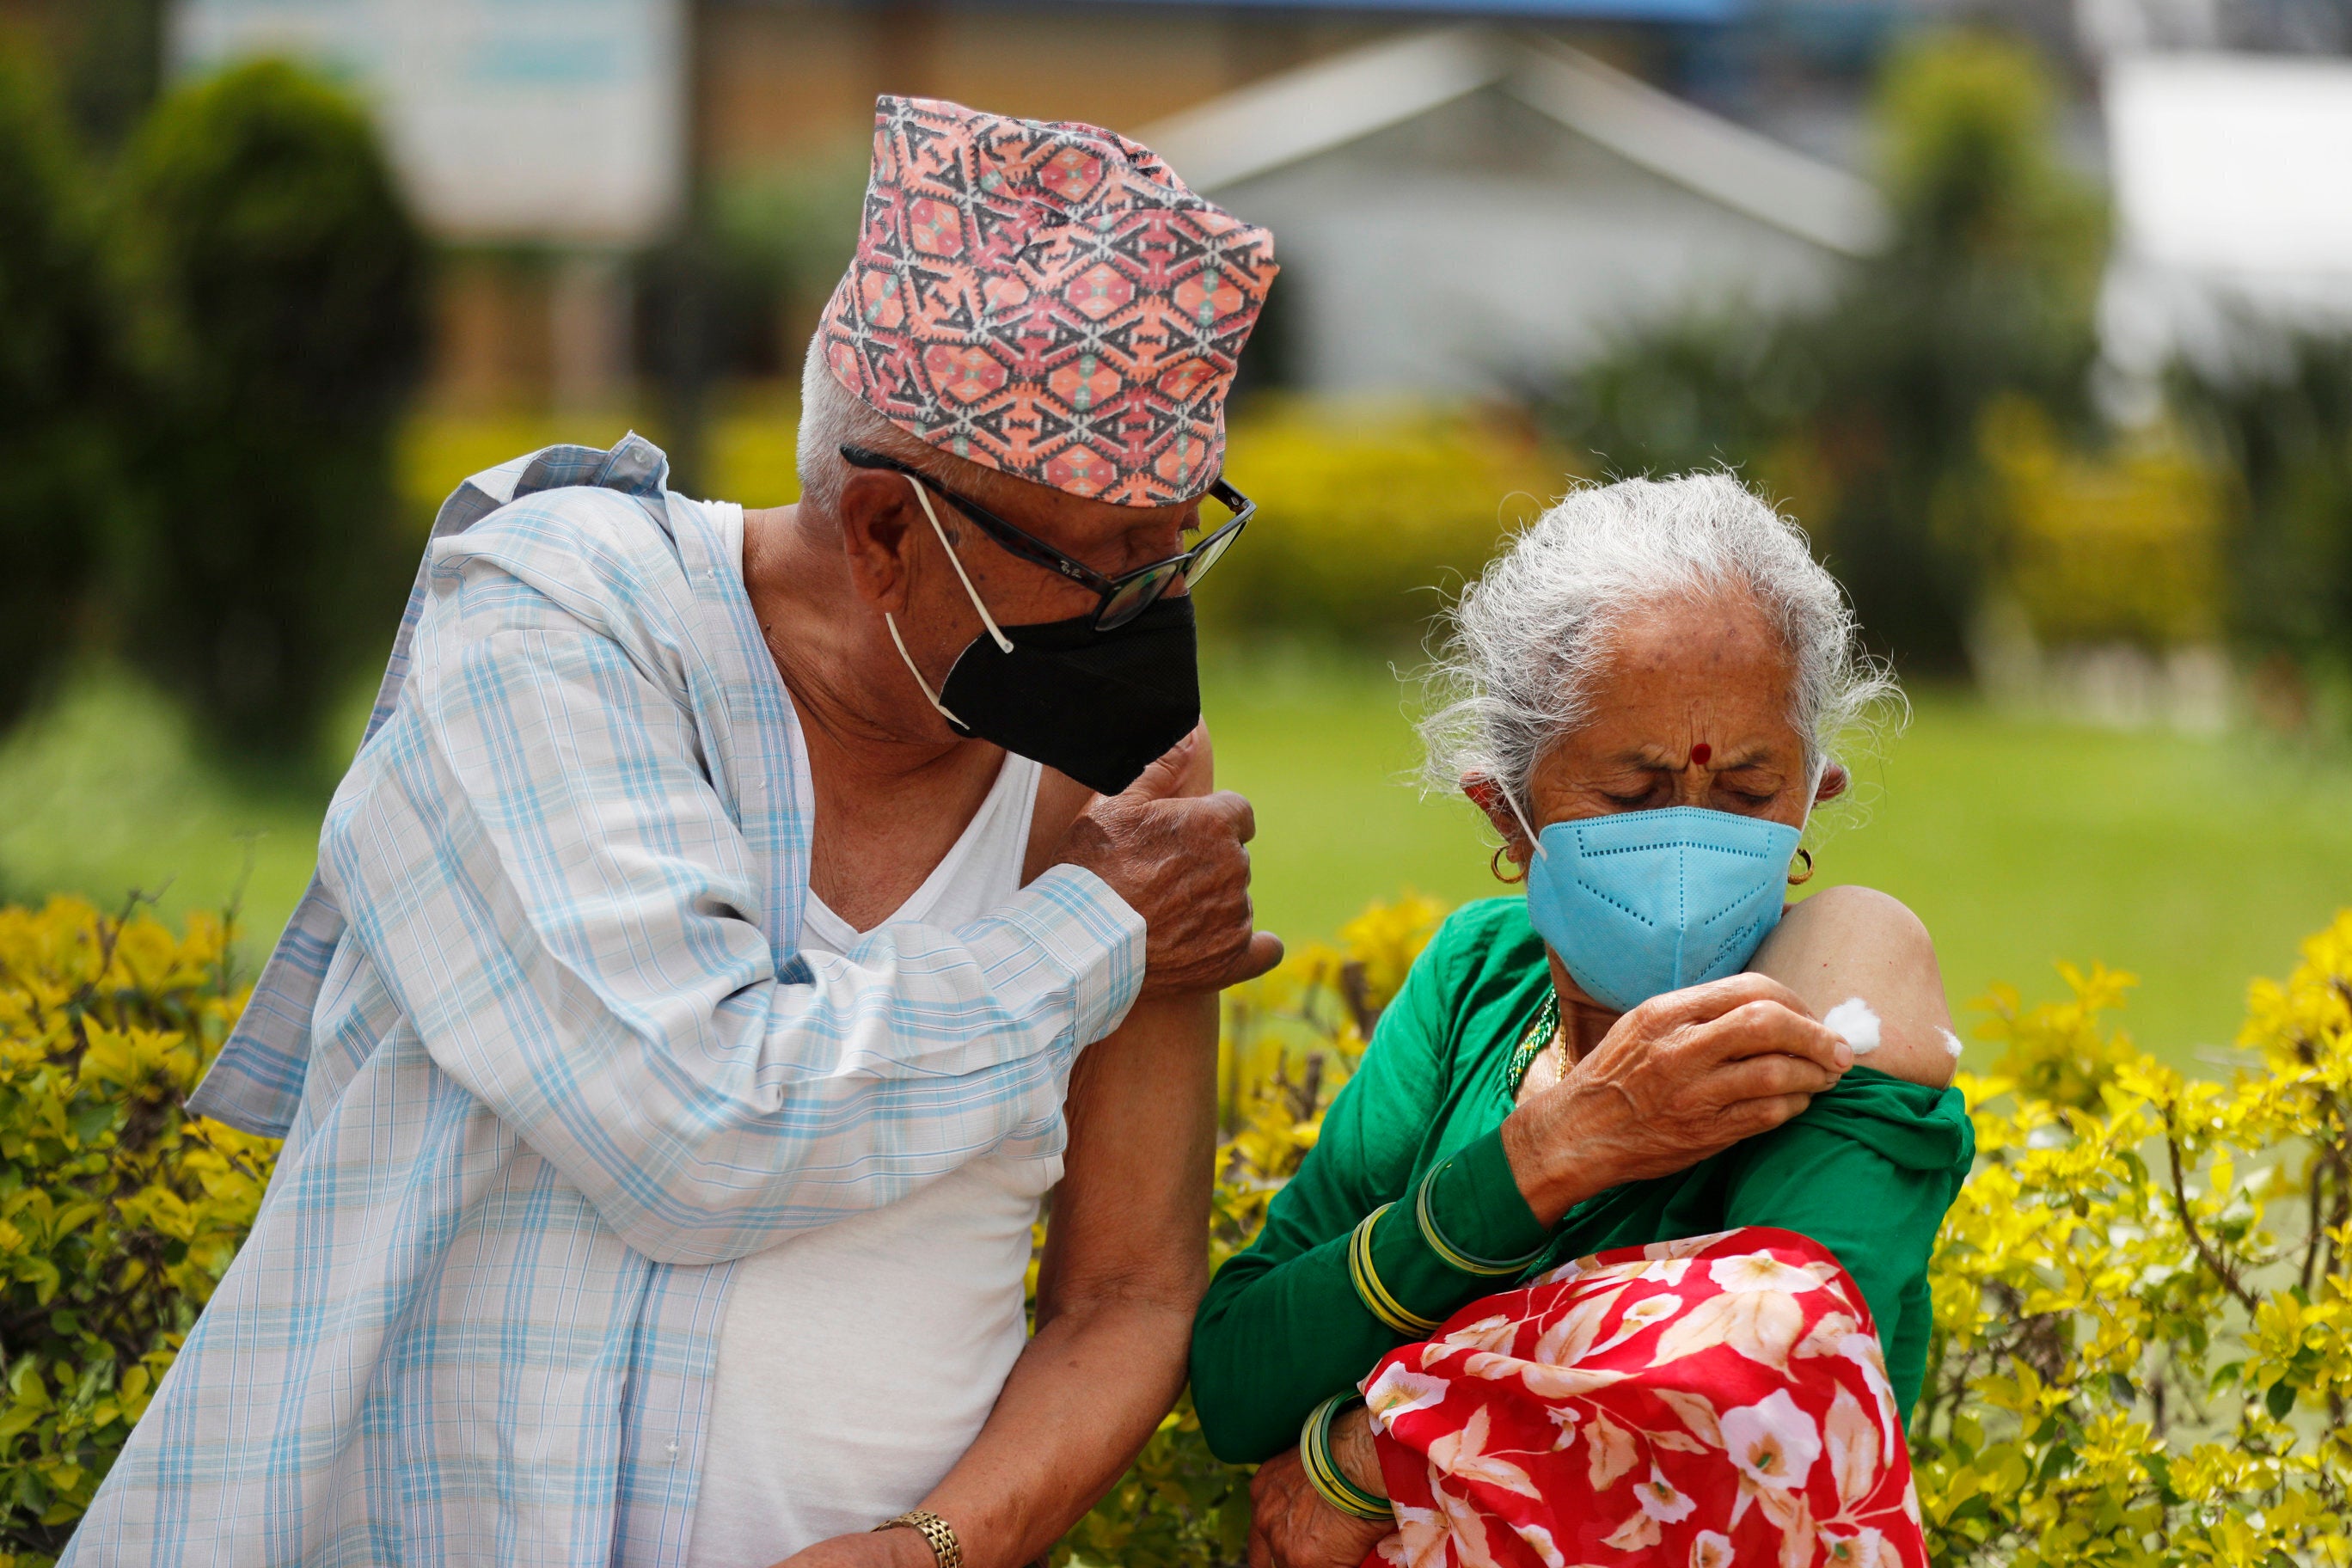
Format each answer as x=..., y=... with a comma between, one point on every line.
x=1707, y=11
x=510, y=119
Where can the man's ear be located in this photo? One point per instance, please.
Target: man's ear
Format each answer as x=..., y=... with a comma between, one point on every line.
x=1835, y=781
x=1487, y=796
x=878, y=517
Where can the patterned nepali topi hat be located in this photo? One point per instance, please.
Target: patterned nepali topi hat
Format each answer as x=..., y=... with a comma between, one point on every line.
x=1048, y=299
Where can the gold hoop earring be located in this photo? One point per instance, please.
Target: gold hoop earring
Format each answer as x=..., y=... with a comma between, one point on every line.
x=1795, y=878
x=1496, y=866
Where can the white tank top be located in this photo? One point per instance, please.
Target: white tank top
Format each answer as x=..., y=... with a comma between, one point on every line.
x=857, y=1362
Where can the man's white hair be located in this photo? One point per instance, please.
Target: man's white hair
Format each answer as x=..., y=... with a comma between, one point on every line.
x=833, y=416
x=1529, y=639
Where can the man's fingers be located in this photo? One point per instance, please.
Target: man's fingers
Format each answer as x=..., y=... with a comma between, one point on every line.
x=1167, y=773
x=1265, y=950
x=1237, y=810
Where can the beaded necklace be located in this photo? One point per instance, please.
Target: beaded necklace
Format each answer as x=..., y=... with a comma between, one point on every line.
x=1531, y=1045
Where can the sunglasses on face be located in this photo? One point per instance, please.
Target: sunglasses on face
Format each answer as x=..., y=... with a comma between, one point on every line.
x=1121, y=598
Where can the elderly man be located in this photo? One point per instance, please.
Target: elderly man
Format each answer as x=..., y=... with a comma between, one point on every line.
x=688, y=1015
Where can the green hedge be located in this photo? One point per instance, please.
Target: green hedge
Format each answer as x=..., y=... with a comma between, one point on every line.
x=119, y=1211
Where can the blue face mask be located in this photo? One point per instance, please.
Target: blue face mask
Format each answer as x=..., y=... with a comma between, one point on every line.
x=1643, y=902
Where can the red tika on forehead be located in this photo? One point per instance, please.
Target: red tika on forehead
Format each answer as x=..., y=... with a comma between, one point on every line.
x=1048, y=299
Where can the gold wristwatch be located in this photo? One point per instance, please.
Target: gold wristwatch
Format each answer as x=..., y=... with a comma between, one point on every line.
x=945, y=1547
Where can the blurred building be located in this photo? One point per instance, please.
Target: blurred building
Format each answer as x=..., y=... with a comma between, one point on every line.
x=1455, y=207
x=2233, y=178
x=1471, y=209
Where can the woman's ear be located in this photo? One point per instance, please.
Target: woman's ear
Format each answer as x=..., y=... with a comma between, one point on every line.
x=1487, y=796
x=1834, y=780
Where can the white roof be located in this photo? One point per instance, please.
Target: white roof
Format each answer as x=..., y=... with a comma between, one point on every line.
x=2234, y=165
x=1296, y=114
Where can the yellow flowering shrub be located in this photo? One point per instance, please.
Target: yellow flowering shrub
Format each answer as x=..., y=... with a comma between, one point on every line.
x=1361, y=510
x=2100, y=549
x=2144, y=1294
x=119, y=1211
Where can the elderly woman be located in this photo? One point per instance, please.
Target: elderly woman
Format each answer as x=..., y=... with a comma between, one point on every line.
x=1630, y=1103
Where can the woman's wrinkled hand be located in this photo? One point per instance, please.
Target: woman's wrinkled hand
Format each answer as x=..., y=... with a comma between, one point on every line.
x=1292, y=1527
x=1681, y=1076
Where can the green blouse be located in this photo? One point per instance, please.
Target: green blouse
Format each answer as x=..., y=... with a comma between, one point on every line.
x=1867, y=1170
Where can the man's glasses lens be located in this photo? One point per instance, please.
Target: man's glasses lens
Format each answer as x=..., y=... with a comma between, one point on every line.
x=1212, y=551
x=1137, y=595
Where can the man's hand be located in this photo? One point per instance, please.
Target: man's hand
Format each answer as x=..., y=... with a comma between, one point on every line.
x=870, y=1549
x=1681, y=1076
x=1292, y=1527
x=1176, y=855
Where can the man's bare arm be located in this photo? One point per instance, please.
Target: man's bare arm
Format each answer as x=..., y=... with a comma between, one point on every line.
x=1126, y=1262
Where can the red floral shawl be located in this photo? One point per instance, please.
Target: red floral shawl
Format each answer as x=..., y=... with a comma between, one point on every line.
x=1691, y=1404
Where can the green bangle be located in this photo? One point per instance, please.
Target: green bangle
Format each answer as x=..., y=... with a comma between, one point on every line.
x=1452, y=1255
x=1377, y=1298
x=1323, y=1472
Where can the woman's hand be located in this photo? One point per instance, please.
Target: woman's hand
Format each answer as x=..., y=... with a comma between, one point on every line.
x=1292, y=1527
x=1681, y=1076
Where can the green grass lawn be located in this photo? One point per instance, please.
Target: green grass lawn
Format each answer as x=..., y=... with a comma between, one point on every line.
x=2194, y=863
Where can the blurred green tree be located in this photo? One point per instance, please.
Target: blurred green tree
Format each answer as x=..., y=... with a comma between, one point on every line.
x=286, y=283
x=1865, y=416
x=1988, y=291
x=57, y=374
x=2282, y=426
x=793, y=226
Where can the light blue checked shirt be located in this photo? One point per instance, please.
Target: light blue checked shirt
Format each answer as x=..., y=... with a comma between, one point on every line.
x=546, y=1062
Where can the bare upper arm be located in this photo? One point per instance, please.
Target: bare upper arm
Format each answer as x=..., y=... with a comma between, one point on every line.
x=1130, y=1215
x=1129, y=1218
x=1852, y=942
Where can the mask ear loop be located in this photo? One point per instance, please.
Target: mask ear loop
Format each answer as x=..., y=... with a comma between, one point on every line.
x=1525, y=826
x=1003, y=643
x=1812, y=792
x=1813, y=789
x=922, y=494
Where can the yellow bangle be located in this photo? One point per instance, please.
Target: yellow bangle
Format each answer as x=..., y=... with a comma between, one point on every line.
x=1323, y=1471
x=1452, y=1257
x=1377, y=1297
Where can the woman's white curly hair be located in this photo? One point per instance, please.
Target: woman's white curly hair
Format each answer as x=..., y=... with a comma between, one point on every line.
x=1528, y=638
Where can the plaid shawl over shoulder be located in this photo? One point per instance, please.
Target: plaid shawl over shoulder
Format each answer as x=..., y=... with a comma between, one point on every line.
x=546, y=1062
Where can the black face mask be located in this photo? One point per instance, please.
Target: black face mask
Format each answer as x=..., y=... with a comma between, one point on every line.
x=1100, y=707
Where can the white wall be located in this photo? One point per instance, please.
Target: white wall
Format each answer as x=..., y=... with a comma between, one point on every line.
x=1483, y=241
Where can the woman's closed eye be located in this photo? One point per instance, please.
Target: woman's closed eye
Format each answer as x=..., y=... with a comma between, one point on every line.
x=1636, y=795
x=1744, y=789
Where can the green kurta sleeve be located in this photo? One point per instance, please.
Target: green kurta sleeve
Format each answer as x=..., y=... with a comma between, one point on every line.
x=1283, y=1326
x=1874, y=1191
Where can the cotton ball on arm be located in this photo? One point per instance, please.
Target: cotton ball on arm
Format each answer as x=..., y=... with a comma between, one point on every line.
x=1853, y=1019
x=1951, y=1043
